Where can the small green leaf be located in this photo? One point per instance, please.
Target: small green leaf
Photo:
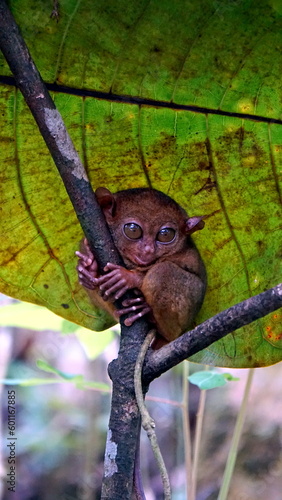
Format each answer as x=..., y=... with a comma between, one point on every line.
x=230, y=377
x=78, y=380
x=210, y=379
x=86, y=384
x=43, y=365
x=29, y=382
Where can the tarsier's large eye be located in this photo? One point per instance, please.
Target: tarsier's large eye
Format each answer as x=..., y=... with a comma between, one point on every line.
x=132, y=231
x=166, y=235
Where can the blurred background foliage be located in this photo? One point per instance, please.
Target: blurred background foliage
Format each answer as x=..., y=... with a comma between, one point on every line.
x=61, y=427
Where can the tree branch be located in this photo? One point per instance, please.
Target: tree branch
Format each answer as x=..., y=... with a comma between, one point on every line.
x=215, y=328
x=57, y=139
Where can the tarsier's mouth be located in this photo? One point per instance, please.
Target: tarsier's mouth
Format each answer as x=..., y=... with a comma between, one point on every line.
x=143, y=262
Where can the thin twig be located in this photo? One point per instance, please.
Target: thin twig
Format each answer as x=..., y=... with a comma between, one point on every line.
x=233, y=451
x=148, y=423
x=198, y=434
x=186, y=431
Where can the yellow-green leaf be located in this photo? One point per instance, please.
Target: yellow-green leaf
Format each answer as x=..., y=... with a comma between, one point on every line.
x=219, y=55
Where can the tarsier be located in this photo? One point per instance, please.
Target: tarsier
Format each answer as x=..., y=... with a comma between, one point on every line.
x=163, y=266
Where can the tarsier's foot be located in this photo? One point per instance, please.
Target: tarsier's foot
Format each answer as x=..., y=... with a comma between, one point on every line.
x=87, y=267
x=131, y=306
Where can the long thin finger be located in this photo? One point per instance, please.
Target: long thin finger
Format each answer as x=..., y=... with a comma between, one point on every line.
x=86, y=249
x=121, y=292
x=86, y=278
x=106, y=277
x=85, y=241
x=131, y=302
x=85, y=258
x=130, y=321
x=86, y=283
x=80, y=254
x=106, y=285
x=84, y=272
x=113, y=289
x=111, y=266
x=127, y=310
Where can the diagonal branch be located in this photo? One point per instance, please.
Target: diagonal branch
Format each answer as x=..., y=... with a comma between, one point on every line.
x=210, y=331
x=57, y=139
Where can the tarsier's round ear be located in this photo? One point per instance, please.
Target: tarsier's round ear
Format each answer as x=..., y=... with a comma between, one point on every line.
x=105, y=199
x=194, y=224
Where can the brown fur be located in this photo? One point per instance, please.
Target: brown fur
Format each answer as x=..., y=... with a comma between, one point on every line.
x=171, y=275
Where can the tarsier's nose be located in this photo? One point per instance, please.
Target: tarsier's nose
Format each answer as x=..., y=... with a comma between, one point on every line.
x=149, y=248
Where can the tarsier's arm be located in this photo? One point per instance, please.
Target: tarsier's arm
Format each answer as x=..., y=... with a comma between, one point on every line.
x=104, y=290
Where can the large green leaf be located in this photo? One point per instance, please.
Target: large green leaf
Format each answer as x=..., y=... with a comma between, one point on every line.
x=222, y=55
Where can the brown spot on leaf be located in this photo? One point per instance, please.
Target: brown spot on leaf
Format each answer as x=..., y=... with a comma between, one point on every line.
x=204, y=165
x=261, y=246
x=156, y=49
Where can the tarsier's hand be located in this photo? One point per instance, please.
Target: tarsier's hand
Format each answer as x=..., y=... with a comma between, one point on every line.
x=113, y=284
x=117, y=281
x=87, y=268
